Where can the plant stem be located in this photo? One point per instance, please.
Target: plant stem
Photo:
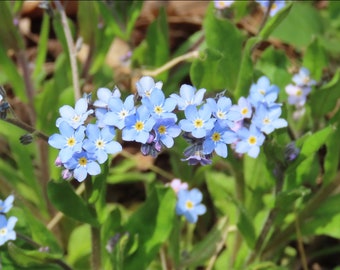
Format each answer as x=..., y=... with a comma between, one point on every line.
x=300, y=244
x=170, y=64
x=71, y=49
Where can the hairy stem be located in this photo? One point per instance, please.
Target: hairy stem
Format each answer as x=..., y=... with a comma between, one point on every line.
x=71, y=49
x=26, y=127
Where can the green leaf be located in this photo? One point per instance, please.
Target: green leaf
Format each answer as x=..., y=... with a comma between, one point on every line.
x=324, y=100
x=88, y=20
x=246, y=226
x=315, y=59
x=158, y=215
x=306, y=22
x=274, y=21
x=220, y=64
x=29, y=258
x=64, y=198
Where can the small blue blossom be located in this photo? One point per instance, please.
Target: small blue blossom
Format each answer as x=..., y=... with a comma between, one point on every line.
x=6, y=229
x=263, y=91
x=146, y=85
x=198, y=122
x=7, y=204
x=223, y=4
x=165, y=130
x=104, y=95
x=69, y=141
x=100, y=142
x=250, y=141
x=276, y=6
x=243, y=107
x=267, y=118
x=297, y=95
x=118, y=111
x=74, y=117
x=83, y=163
x=189, y=204
x=303, y=78
x=159, y=106
x=138, y=125
x=188, y=96
x=194, y=154
x=217, y=141
x=221, y=110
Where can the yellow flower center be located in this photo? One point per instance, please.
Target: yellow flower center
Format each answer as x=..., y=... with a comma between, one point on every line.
x=266, y=121
x=158, y=109
x=306, y=80
x=100, y=144
x=244, y=111
x=216, y=137
x=198, y=123
x=262, y=92
x=71, y=141
x=76, y=118
x=139, y=125
x=189, y=205
x=299, y=92
x=3, y=231
x=252, y=140
x=162, y=129
x=220, y=115
x=82, y=161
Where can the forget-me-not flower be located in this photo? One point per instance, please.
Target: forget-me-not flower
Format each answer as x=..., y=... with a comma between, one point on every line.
x=303, y=78
x=7, y=204
x=7, y=229
x=165, y=130
x=263, y=91
x=118, y=111
x=146, y=85
x=177, y=185
x=104, y=95
x=100, y=142
x=275, y=7
x=267, y=118
x=74, y=117
x=159, y=106
x=188, y=96
x=250, y=141
x=198, y=122
x=297, y=95
x=189, y=204
x=223, y=4
x=138, y=125
x=69, y=141
x=217, y=140
x=83, y=163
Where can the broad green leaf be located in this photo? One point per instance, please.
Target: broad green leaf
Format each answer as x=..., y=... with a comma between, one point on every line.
x=306, y=22
x=324, y=100
x=157, y=214
x=131, y=177
x=219, y=64
x=30, y=258
x=64, y=198
x=315, y=59
x=274, y=21
x=246, y=226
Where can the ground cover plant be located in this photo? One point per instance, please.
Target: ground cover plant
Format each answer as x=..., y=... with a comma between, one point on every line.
x=169, y=135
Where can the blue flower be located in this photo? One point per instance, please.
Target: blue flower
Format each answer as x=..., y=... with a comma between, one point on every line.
x=267, y=118
x=223, y=4
x=83, y=163
x=198, y=122
x=138, y=126
x=74, y=117
x=188, y=96
x=276, y=6
x=250, y=141
x=146, y=85
x=194, y=154
x=7, y=204
x=189, y=204
x=221, y=110
x=6, y=229
x=118, y=111
x=303, y=78
x=100, y=142
x=263, y=91
x=217, y=140
x=69, y=141
x=165, y=130
x=158, y=106
x=243, y=107
x=104, y=95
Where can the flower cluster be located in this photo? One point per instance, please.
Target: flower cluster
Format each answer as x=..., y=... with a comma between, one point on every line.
x=209, y=124
x=299, y=90
x=275, y=6
x=7, y=225
x=188, y=201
